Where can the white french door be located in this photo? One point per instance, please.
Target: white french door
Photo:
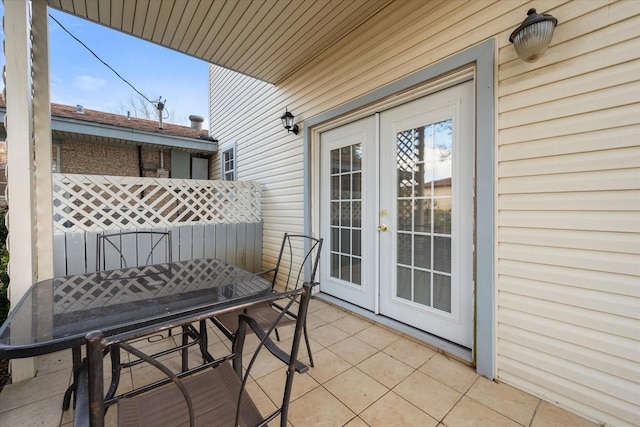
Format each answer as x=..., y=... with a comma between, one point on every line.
x=397, y=198
x=348, y=192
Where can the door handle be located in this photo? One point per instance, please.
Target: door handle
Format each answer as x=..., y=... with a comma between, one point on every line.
x=382, y=227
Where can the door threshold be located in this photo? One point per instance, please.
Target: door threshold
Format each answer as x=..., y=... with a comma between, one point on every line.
x=446, y=346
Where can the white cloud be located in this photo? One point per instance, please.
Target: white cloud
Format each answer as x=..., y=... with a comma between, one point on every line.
x=88, y=83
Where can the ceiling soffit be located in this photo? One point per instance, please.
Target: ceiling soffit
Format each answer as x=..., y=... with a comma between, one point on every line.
x=266, y=39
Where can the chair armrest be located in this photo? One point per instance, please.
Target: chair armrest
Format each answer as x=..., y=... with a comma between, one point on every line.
x=270, y=345
x=81, y=412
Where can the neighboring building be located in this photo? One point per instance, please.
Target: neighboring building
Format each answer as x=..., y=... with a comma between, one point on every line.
x=532, y=273
x=97, y=143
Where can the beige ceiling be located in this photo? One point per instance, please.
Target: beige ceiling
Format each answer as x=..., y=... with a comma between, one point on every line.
x=267, y=39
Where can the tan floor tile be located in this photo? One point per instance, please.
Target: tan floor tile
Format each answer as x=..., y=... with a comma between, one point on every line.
x=264, y=404
x=353, y=350
x=327, y=366
x=265, y=364
x=273, y=385
x=327, y=335
x=377, y=336
x=302, y=351
x=433, y=397
x=34, y=390
x=469, y=413
x=549, y=415
x=450, y=372
x=510, y=402
x=392, y=410
x=410, y=352
x=330, y=314
x=316, y=304
x=314, y=322
x=385, y=369
x=58, y=361
x=355, y=389
x=352, y=324
x=356, y=422
x=44, y=413
x=318, y=408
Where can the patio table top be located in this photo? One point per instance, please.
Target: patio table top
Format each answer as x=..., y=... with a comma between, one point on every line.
x=56, y=314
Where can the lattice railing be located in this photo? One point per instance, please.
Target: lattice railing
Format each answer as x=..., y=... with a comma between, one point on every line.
x=97, y=202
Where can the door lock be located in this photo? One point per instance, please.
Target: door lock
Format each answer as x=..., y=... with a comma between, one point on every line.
x=382, y=227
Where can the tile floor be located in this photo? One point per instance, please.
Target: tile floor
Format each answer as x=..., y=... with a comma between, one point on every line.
x=365, y=375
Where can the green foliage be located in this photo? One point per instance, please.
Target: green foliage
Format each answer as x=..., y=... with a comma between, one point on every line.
x=4, y=260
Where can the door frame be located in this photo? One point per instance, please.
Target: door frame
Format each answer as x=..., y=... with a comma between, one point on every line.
x=480, y=61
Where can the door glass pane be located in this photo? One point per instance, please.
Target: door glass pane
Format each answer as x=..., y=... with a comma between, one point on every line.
x=404, y=283
x=346, y=213
x=424, y=182
x=404, y=248
x=442, y=292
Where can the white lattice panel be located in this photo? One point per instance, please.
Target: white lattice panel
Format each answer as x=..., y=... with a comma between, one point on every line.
x=97, y=202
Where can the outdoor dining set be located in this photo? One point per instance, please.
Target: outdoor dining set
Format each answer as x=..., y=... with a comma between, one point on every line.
x=143, y=293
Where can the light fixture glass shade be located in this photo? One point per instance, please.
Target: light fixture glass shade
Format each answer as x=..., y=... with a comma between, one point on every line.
x=287, y=120
x=532, y=38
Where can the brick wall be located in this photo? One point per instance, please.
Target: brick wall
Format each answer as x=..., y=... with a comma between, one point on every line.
x=101, y=159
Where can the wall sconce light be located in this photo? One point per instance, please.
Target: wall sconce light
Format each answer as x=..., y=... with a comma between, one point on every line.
x=287, y=122
x=532, y=38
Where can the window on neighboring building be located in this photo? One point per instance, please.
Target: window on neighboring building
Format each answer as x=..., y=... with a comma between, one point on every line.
x=229, y=164
x=56, y=147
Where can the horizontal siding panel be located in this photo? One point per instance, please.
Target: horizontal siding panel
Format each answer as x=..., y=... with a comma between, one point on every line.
x=626, y=115
x=602, y=99
x=622, y=137
x=599, y=79
x=611, y=180
x=618, y=285
x=604, y=362
x=594, y=340
x=574, y=258
x=625, y=200
x=602, y=319
x=571, y=239
x=623, y=158
x=555, y=388
x=625, y=222
x=584, y=377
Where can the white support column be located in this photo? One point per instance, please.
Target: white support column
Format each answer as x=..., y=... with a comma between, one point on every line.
x=21, y=214
x=42, y=141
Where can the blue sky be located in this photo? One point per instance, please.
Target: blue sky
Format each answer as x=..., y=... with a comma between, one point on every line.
x=77, y=77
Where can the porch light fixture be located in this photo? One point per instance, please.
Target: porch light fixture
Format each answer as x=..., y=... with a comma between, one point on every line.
x=532, y=38
x=287, y=122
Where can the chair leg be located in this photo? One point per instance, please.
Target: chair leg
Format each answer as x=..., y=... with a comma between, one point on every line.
x=306, y=340
x=277, y=334
x=185, y=351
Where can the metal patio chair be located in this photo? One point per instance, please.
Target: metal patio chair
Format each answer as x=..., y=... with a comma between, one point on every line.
x=214, y=394
x=287, y=274
x=132, y=248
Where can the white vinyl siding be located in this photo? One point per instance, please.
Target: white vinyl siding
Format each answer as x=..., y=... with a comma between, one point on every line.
x=567, y=170
x=568, y=227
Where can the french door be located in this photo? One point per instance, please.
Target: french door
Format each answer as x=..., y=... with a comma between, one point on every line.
x=397, y=196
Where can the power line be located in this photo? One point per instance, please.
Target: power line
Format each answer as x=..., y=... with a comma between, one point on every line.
x=159, y=104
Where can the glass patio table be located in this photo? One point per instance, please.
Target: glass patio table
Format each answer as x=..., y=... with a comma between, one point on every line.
x=56, y=314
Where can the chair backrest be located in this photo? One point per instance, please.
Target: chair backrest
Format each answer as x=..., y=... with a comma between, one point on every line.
x=297, y=261
x=135, y=248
